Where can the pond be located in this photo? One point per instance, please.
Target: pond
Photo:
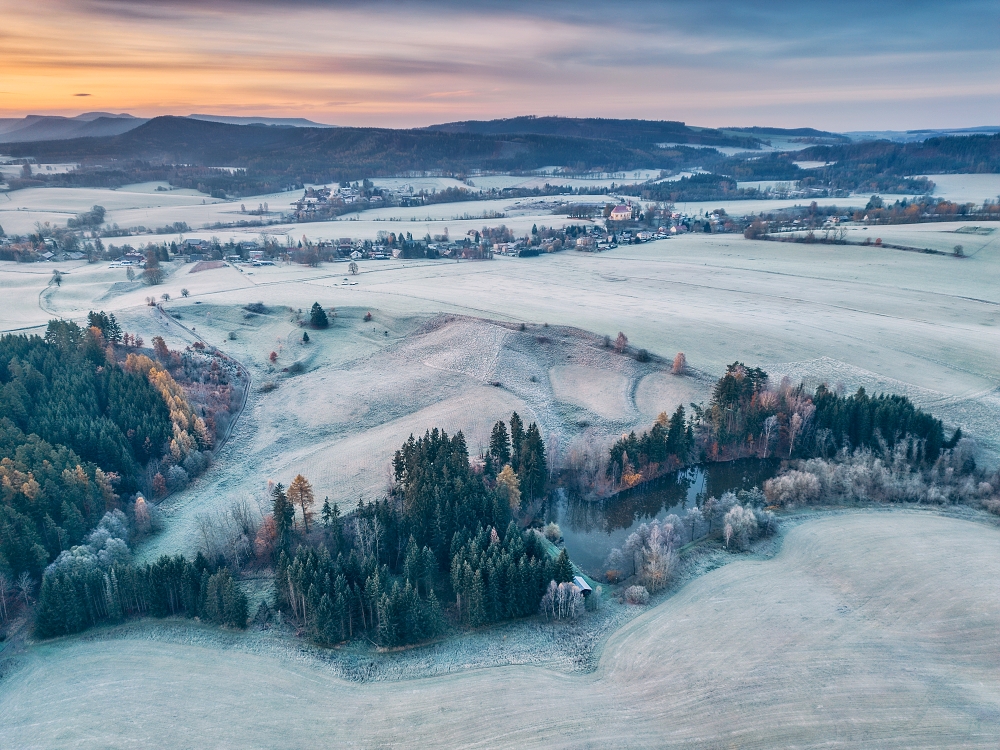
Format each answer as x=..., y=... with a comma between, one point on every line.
x=591, y=529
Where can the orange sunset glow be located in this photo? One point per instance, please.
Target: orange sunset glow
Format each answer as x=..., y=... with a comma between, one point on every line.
x=405, y=64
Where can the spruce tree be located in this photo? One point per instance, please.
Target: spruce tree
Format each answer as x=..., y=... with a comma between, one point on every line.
x=284, y=515
x=564, y=568
x=317, y=316
x=516, y=438
x=500, y=446
x=533, y=472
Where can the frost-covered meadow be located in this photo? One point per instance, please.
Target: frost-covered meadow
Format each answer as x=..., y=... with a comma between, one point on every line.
x=864, y=625
x=445, y=347
x=923, y=325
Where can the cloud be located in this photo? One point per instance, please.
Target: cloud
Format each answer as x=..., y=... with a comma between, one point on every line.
x=845, y=64
x=82, y=94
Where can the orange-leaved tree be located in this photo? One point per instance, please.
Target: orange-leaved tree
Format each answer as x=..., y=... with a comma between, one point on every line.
x=300, y=493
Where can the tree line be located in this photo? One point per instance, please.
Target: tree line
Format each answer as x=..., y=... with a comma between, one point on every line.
x=74, y=601
x=96, y=583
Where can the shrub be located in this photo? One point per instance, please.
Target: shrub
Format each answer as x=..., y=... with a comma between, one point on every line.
x=636, y=595
x=756, y=230
x=552, y=532
x=794, y=487
x=177, y=478
x=621, y=343
x=642, y=356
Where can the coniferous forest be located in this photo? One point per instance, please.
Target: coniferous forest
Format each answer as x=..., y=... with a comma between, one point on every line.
x=76, y=431
x=447, y=534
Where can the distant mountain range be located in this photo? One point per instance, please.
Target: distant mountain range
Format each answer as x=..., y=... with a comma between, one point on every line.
x=914, y=136
x=53, y=128
x=641, y=134
x=286, y=122
x=304, y=153
x=98, y=124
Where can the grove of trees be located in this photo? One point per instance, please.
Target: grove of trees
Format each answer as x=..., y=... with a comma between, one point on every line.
x=749, y=416
x=445, y=535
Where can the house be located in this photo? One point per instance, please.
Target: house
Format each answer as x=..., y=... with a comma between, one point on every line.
x=621, y=213
x=586, y=244
x=582, y=584
x=356, y=255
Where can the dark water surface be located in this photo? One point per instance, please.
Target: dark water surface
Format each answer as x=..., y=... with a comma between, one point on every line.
x=591, y=529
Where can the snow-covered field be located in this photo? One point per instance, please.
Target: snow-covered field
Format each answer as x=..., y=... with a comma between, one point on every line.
x=21, y=209
x=929, y=321
x=965, y=188
x=876, y=629
x=940, y=236
x=919, y=324
x=369, y=385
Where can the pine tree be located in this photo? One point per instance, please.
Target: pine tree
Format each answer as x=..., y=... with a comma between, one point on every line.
x=534, y=471
x=476, y=606
x=428, y=566
x=317, y=316
x=413, y=563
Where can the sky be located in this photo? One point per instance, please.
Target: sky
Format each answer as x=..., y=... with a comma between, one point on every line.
x=831, y=65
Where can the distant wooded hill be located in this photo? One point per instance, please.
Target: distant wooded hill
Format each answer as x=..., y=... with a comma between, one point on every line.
x=269, y=158
x=637, y=133
x=314, y=154
x=966, y=153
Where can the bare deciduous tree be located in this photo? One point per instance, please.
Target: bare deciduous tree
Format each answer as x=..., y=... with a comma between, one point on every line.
x=4, y=591
x=25, y=586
